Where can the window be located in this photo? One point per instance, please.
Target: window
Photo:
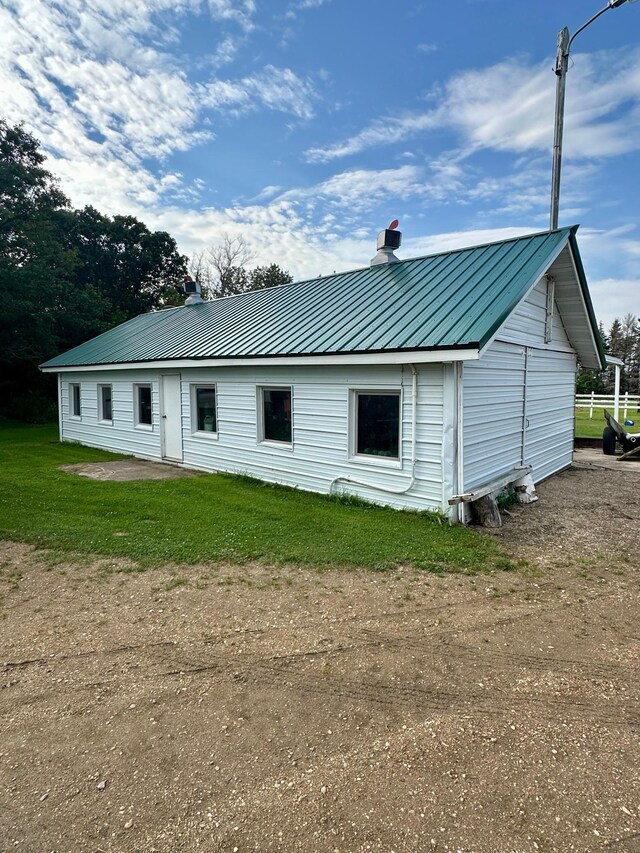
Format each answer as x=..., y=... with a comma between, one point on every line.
x=276, y=415
x=105, y=411
x=204, y=409
x=144, y=413
x=377, y=424
x=74, y=399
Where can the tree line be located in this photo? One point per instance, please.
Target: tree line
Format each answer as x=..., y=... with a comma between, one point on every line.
x=67, y=275
x=622, y=341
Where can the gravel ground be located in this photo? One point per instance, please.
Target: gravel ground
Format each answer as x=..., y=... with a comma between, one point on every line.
x=267, y=709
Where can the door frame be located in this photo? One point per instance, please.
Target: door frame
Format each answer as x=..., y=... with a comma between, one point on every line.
x=168, y=418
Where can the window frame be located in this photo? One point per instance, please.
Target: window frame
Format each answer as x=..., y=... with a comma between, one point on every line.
x=262, y=439
x=193, y=395
x=101, y=387
x=373, y=458
x=139, y=424
x=73, y=388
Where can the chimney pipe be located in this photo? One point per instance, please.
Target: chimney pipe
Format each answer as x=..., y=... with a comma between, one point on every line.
x=388, y=240
x=191, y=290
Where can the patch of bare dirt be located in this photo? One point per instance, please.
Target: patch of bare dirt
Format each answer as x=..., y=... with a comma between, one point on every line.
x=128, y=469
x=255, y=709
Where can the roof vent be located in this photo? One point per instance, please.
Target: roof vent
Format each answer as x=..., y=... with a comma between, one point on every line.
x=388, y=240
x=191, y=290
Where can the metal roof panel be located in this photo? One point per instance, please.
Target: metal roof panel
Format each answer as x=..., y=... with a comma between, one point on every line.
x=451, y=299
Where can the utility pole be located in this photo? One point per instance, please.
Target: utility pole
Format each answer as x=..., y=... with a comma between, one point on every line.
x=562, y=66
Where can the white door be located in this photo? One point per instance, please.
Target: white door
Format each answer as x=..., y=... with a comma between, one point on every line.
x=171, y=417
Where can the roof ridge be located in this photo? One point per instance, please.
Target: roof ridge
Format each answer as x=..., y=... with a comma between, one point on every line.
x=568, y=229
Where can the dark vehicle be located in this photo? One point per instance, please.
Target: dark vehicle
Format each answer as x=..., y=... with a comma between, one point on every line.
x=612, y=433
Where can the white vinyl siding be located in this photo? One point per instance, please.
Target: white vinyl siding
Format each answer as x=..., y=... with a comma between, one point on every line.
x=119, y=435
x=320, y=453
x=320, y=398
x=550, y=387
x=493, y=414
x=527, y=324
x=519, y=397
x=550, y=411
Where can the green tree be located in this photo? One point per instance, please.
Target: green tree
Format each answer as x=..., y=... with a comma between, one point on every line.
x=65, y=275
x=132, y=268
x=623, y=341
x=34, y=266
x=271, y=276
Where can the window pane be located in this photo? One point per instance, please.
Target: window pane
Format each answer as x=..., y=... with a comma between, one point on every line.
x=378, y=425
x=144, y=404
x=277, y=414
x=206, y=407
x=75, y=389
x=106, y=403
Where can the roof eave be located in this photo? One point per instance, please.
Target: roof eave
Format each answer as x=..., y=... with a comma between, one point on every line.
x=426, y=355
x=582, y=279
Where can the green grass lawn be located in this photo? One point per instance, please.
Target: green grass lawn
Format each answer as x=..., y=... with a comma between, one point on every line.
x=212, y=517
x=587, y=427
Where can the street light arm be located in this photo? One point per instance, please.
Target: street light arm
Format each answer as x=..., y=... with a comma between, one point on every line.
x=590, y=21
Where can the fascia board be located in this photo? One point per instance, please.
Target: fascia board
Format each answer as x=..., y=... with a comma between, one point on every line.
x=586, y=301
x=404, y=357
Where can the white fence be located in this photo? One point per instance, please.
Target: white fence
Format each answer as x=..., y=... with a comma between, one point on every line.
x=627, y=402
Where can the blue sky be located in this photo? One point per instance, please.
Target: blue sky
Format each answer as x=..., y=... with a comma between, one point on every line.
x=308, y=125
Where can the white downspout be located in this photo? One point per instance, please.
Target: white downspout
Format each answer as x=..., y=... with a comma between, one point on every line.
x=414, y=450
x=462, y=507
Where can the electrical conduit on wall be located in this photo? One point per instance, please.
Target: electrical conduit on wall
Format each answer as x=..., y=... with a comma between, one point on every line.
x=414, y=418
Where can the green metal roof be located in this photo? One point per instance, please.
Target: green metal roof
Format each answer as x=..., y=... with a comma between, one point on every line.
x=456, y=299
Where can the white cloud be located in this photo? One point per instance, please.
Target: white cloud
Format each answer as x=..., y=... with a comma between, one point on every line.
x=508, y=107
x=303, y=5
x=384, y=131
x=281, y=89
x=614, y=297
x=427, y=47
x=277, y=89
x=226, y=51
x=449, y=241
x=240, y=11
x=267, y=192
x=363, y=186
x=100, y=84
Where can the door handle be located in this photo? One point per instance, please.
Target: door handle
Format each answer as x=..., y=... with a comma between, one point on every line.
x=164, y=417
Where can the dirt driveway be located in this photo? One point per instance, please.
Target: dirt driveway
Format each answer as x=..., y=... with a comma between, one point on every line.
x=255, y=709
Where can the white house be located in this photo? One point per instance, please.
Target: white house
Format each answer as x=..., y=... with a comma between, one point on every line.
x=408, y=383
